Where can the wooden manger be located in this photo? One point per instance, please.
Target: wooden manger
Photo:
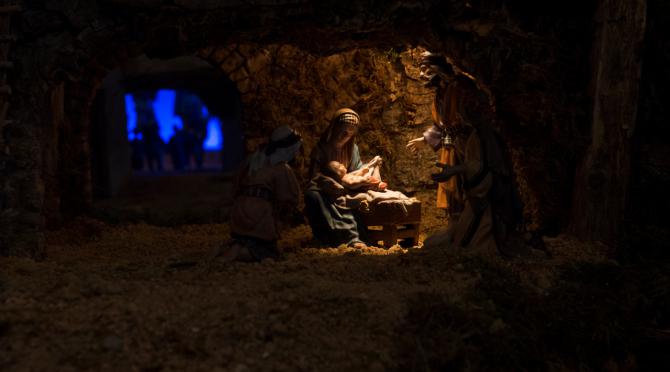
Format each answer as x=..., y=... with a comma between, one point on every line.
x=387, y=223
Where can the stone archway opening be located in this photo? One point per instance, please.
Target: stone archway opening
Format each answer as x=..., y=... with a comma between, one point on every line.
x=162, y=134
x=172, y=131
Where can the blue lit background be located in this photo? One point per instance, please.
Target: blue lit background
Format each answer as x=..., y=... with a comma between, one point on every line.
x=163, y=107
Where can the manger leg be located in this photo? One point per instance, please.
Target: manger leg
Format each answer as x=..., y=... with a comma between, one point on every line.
x=391, y=233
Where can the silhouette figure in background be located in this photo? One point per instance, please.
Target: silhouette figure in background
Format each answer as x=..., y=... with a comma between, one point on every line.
x=198, y=128
x=148, y=128
x=151, y=142
x=189, y=107
x=137, y=151
x=176, y=148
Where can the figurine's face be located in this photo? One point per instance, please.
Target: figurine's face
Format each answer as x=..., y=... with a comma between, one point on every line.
x=426, y=72
x=338, y=168
x=344, y=132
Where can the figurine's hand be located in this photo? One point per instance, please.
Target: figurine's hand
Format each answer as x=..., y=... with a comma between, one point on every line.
x=441, y=177
x=377, y=160
x=413, y=144
x=446, y=173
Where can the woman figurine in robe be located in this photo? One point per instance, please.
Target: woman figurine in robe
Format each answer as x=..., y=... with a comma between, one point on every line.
x=330, y=224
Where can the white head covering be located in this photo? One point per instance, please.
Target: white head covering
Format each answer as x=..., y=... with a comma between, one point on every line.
x=284, y=145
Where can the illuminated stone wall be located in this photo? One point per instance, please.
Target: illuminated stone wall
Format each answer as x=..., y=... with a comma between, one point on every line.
x=282, y=84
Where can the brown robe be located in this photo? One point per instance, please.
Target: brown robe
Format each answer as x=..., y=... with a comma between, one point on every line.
x=481, y=238
x=474, y=227
x=256, y=216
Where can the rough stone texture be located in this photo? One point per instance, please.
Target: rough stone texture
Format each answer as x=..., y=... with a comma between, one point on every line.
x=21, y=187
x=282, y=84
x=532, y=57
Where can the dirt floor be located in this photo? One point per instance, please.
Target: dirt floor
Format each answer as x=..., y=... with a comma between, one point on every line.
x=134, y=296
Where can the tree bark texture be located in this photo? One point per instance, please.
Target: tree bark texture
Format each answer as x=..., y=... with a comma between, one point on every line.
x=602, y=179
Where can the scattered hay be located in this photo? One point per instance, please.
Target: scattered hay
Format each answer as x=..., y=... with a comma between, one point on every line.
x=138, y=296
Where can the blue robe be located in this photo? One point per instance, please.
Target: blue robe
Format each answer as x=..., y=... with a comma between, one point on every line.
x=331, y=225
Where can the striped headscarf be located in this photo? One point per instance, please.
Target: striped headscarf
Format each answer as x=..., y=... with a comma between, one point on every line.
x=344, y=116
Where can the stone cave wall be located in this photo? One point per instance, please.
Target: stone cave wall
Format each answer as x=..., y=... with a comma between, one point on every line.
x=21, y=187
x=283, y=84
x=532, y=58
x=302, y=60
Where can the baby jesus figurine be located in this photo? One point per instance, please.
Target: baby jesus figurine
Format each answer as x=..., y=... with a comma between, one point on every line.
x=360, y=189
x=366, y=177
